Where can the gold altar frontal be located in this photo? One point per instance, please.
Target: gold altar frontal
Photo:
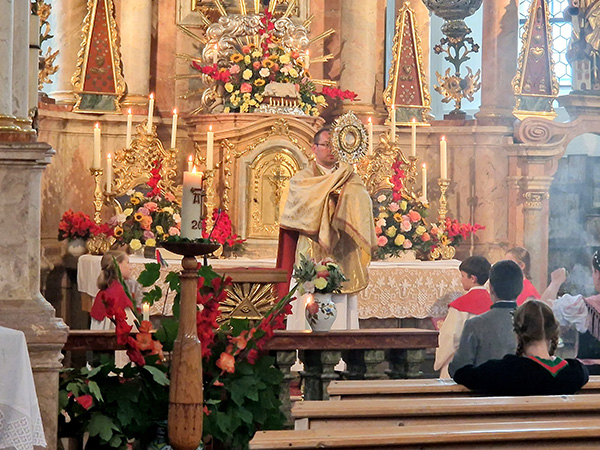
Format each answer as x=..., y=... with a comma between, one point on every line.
x=417, y=289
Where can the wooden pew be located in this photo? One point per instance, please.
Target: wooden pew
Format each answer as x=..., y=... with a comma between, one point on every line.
x=439, y=410
x=549, y=435
x=372, y=389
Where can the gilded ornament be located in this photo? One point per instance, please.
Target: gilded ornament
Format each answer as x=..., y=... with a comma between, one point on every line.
x=349, y=138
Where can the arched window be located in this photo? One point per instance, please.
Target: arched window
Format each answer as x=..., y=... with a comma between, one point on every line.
x=561, y=33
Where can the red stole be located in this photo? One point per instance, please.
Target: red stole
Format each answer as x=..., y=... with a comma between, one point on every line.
x=528, y=291
x=286, y=256
x=476, y=301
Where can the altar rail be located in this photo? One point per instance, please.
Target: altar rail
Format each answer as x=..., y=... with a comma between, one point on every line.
x=364, y=351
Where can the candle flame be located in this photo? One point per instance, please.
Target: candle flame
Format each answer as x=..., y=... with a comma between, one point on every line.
x=190, y=158
x=424, y=166
x=108, y=156
x=308, y=300
x=443, y=138
x=210, y=128
x=174, y=111
x=129, y=111
x=370, y=120
x=152, y=95
x=97, y=125
x=414, y=120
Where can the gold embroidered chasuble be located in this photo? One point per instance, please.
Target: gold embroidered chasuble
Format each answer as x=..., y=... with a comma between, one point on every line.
x=334, y=215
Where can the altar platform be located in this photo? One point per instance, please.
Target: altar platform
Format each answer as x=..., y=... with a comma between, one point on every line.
x=397, y=289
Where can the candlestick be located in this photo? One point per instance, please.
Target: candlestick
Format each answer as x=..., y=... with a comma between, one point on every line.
x=370, y=131
x=192, y=205
x=443, y=250
x=174, y=130
x=413, y=137
x=424, y=183
x=109, y=173
x=129, y=126
x=443, y=159
x=393, y=124
x=98, y=195
x=150, y=113
x=210, y=136
x=190, y=163
x=96, y=159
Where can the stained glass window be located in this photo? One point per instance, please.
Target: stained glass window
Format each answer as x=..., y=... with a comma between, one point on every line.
x=561, y=33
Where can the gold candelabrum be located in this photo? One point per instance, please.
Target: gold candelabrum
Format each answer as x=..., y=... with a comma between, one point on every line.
x=98, y=194
x=444, y=250
x=209, y=179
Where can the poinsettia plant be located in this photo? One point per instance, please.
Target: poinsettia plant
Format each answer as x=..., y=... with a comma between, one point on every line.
x=75, y=225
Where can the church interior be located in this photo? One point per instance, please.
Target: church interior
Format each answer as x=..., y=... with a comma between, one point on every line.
x=472, y=126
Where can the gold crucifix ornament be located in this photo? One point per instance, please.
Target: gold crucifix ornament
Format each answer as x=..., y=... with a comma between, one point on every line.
x=349, y=138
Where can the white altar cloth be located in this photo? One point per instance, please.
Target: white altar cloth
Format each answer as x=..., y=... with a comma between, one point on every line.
x=20, y=420
x=397, y=289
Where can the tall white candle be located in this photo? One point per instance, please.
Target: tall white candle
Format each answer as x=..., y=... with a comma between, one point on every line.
x=109, y=173
x=393, y=124
x=307, y=60
x=370, y=131
x=413, y=137
x=145, y=311
x=424, y=183
x=443, y=159
x=191, y=205
x=96, y=158
x=129, y=127
x=190, y=163
x=150, y=112
x=210, y=137
x=174, y=130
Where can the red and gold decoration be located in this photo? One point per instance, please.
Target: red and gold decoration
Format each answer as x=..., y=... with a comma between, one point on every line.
x=407, y=88
x=535, y=84
x=98, y=81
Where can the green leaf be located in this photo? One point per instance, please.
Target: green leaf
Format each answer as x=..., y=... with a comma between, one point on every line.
x=159, y=376
x=102, y=426
x=95, y=390
x=153, y=295
x=74, y=388
x=174, y=281
x=94, y=371
x=168, y=333
x=149, y=275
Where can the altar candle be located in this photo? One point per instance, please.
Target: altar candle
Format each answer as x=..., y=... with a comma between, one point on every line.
x=210, y=136
x=443, y=159
x=145, y=311
x=150, y=113
x=307, y=60
x=370, y=131
x=174, y=129
x=96, y=159
x=129, y=126
x=393, y=124
x=108, y=173
x=190, y=163
x=191, y=205
x=424, y=182
x=413, y=137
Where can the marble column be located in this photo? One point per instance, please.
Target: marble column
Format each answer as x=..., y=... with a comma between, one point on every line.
x=535, y=227
x=359, y=54
x=21, y=304
x=20, y=64
x=68, y=15
x=498, y=60
x=6, y=56
x=135, y=30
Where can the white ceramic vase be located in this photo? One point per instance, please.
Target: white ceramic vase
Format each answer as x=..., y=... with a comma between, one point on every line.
x=76, y=247
x=320, y=312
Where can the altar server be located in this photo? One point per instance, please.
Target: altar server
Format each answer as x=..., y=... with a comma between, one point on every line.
x=474, y=273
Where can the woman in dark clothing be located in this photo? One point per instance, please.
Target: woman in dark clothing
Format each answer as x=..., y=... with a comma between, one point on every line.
x=533, y=370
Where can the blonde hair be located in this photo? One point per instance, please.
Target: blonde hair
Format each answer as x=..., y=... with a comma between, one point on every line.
x=108, y=271
x=522, y=255
x=535, y=321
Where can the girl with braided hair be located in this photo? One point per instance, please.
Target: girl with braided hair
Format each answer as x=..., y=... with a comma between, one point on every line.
x=534, y=370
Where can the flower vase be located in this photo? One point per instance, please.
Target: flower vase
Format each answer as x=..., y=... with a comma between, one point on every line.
x=320, y=312
x=149, y=252
x=76, y=247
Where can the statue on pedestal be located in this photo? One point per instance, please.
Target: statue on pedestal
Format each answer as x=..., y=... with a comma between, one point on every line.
x=584, y=47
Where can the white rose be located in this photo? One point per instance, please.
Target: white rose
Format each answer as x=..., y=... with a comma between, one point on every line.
x=264, y=72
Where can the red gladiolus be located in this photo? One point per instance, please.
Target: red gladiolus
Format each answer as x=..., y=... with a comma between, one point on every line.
x=85, y=400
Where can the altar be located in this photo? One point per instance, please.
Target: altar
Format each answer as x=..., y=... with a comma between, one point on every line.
x=416, y=289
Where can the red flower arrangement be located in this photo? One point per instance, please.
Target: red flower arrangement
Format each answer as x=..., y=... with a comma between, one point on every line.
x=222, y=232
x=75, y=225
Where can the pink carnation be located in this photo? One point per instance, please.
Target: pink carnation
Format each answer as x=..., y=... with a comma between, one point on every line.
x=407, y=244
x=414, y=216
x=246, y=87
x=382, y=241
x=151, y=206
x=148, y=234
x=394, y=207
x=174, y=231
x=234, y=69
x=405, y=226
